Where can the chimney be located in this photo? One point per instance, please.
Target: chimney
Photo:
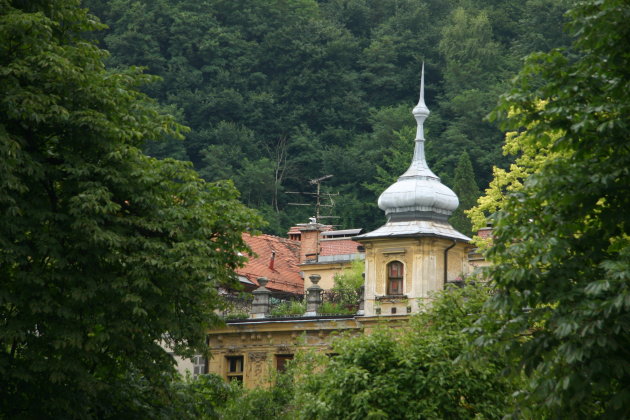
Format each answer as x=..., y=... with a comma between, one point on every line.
x=272, y=260
x=485, y=232
x=309, y=240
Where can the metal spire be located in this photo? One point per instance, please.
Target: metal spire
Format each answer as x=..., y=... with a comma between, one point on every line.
x=419, y=165
x=421, y=109
x=418, y=204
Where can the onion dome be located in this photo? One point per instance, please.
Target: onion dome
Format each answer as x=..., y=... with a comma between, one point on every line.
x=418, y=194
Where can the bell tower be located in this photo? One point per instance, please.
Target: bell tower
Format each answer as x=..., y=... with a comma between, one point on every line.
x=417, y=251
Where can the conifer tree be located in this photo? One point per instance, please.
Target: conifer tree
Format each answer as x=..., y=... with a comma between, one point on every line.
x=467, y=191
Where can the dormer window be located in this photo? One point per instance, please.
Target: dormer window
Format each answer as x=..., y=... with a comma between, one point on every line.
x=395, y=274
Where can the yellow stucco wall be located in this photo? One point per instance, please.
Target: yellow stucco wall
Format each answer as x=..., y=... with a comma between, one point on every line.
x=423, y=261
x=326, y=271
x=260, y=342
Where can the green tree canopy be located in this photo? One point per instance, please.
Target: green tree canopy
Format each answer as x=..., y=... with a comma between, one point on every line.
x=410, y=372
x=561, y=254
x=104, y=252
x=313, y=81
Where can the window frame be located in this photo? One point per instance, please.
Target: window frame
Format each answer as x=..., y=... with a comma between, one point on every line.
x=282, y=360
x=400, y=279
x=232, y=372
x=200, y=365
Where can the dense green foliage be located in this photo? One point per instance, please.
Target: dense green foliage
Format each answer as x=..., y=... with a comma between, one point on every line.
x=273, y=403
x=531, y=155
x=561, y=258
x=204, y=397
x=351, y=277
x=280, y=92
x=414, y=372
x=104, y=252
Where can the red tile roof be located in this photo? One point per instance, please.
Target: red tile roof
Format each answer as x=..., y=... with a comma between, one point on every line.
x=285, y=274
x=338, y=247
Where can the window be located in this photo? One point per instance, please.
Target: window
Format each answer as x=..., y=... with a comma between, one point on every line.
x=200, y=366
x=235, y=368
x=282, y=360
x=395, y=274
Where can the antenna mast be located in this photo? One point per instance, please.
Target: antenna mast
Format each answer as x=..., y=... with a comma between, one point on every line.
x=318, y=182
x=318, y=198
x=318, y=205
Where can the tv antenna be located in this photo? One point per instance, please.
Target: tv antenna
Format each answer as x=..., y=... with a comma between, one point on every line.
x=318, y=198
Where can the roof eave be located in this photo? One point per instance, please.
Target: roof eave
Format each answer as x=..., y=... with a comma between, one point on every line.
x=462, y=238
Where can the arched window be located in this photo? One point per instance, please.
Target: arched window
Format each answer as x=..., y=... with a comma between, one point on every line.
x=395, y=274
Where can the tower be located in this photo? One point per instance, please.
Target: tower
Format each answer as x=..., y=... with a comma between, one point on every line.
x=417, y=251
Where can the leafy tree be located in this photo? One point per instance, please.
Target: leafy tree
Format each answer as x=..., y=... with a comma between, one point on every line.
x=469, y=50
x=346, y=289
x=256, y=181
x=562, y=248
x=203, y=397
x=227, y=148
x=413, y=372
x=531, y=156
x=104, y=252
x=271, y=402
x=467, y=190
x=350, y=278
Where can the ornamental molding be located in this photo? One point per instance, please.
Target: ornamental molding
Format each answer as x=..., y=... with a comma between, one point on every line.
x=283, y=348
x=257, y=357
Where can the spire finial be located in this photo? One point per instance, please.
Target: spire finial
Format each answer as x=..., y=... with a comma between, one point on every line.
x=421, y=112
x=419, y=167
x=421, y=101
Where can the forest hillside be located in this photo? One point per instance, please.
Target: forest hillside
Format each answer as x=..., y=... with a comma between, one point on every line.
x=279, y=92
